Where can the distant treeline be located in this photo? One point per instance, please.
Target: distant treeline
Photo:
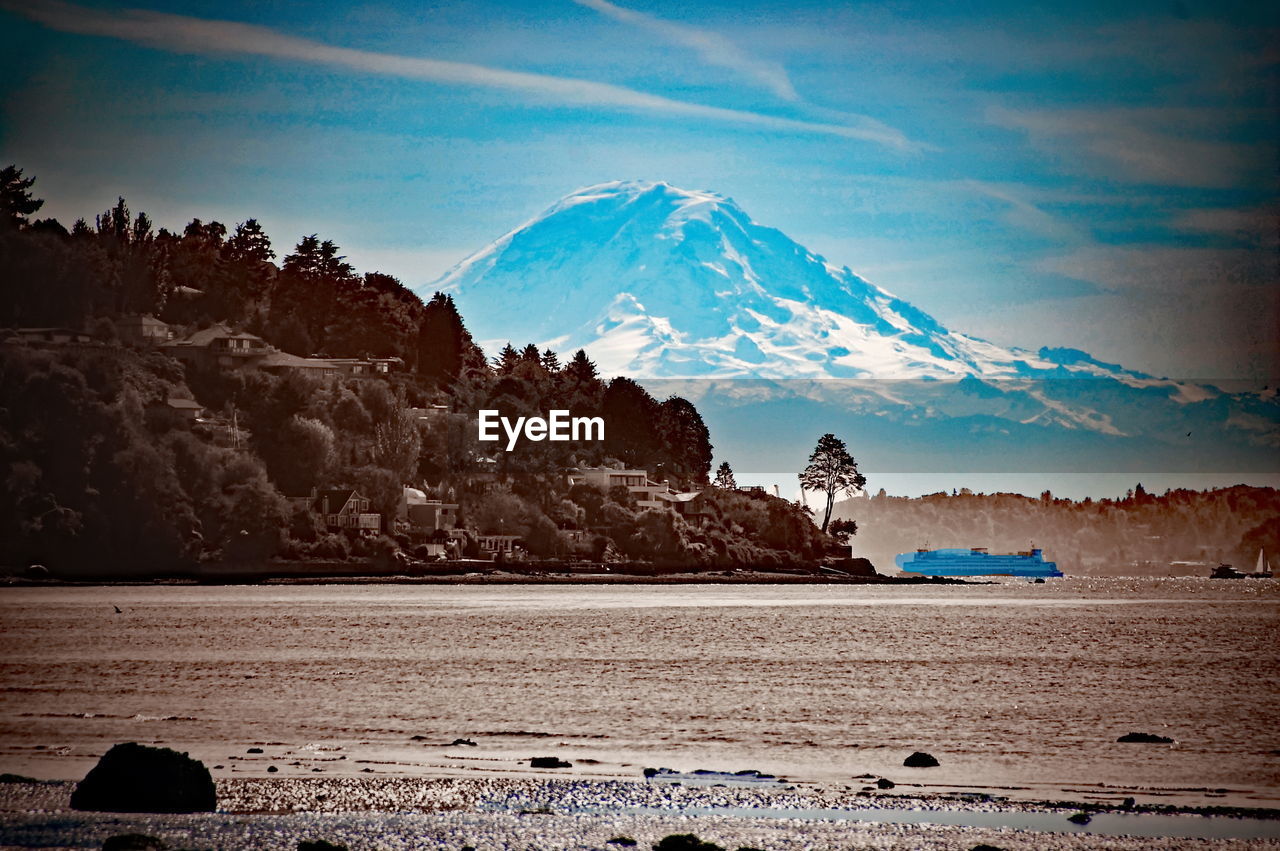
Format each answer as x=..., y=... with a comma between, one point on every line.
x=99, y=475
x=1141, y=533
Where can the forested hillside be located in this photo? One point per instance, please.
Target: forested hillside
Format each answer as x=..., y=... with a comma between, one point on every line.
x=1175, y=533
x=102, y=474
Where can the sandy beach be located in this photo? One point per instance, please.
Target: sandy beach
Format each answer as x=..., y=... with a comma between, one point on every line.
x=394, y=716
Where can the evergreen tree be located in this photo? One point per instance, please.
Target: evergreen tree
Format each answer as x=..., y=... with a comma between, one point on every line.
x=724, y=476
x=444, y=346
x=16, y=203
x=581, y=370
x=550, y=361
x=686, y=441
x=249, y=243
x=630, y=415
x=831, y=471
x=507, y=359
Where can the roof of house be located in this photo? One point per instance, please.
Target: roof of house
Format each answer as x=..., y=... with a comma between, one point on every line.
x=217, y=331
x=284, y=359
x=142, y=319
x=338, y=498
x=57, y=330
x=184, y=404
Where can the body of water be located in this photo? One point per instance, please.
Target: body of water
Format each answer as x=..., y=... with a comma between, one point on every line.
x=1017, y=689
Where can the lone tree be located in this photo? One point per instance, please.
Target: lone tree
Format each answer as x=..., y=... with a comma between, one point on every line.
x=724, y=476
x=832, y=471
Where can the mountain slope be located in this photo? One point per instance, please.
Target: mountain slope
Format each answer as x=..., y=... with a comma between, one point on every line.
x=658, y=282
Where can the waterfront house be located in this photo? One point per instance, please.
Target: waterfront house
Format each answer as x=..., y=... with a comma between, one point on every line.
x=425, y=516
x=345, y=509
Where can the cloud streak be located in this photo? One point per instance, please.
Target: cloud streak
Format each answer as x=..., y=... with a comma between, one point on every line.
x=202, y=36
x=1172, y=147
x=1023, y=214
x=711, y=47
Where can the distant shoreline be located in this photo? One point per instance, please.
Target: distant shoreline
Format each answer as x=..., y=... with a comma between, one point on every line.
x=491, y=576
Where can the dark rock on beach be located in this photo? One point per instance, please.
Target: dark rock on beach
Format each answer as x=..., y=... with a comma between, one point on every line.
x=1145, y=739
x=254, y=750
x=466, y=742
x=133, y=842
x=133, y=778
x=885, y=783
x=549, y=762
x=1080, y=818
x=17, y=778
x=920, y=759
x=684, y=842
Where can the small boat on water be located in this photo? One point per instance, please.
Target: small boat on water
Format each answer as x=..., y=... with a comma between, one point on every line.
x=1226, y=571
x=976, y=561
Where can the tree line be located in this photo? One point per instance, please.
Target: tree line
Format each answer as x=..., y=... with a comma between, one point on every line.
x=1181, y=531
x=102, y=477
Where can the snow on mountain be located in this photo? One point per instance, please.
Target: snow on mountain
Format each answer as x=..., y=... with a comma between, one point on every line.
x=660, y=282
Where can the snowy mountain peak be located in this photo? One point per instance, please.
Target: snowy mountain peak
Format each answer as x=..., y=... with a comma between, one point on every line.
x=655, y=280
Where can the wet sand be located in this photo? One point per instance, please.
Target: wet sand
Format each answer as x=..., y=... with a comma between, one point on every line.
x=502, y=813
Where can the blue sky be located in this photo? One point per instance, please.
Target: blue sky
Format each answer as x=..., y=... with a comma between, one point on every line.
x=1065, y=174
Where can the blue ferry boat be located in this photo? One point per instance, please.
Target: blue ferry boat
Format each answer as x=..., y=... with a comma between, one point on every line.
x=976, y=562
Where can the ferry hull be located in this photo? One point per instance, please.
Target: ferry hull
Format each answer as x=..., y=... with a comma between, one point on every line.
x=957, y=562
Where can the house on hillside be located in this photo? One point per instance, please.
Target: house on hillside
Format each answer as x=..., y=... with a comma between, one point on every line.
x=189, y=409
x=53, y=336
x=219, y=347
x=692, y=506
x=281, y=363
x=345, y=509
x=430, y=414
x=142, y=330
x=366, y=366
x=648, y=494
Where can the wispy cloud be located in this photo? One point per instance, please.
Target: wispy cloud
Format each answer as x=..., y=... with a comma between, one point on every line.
x=1167, y=269
x=1026, y=215
x=1173, y=147
x=1256, y=226
x=184, y=34
x=712, y=47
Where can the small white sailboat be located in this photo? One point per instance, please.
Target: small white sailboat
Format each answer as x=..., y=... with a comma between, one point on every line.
x=1263, y=570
